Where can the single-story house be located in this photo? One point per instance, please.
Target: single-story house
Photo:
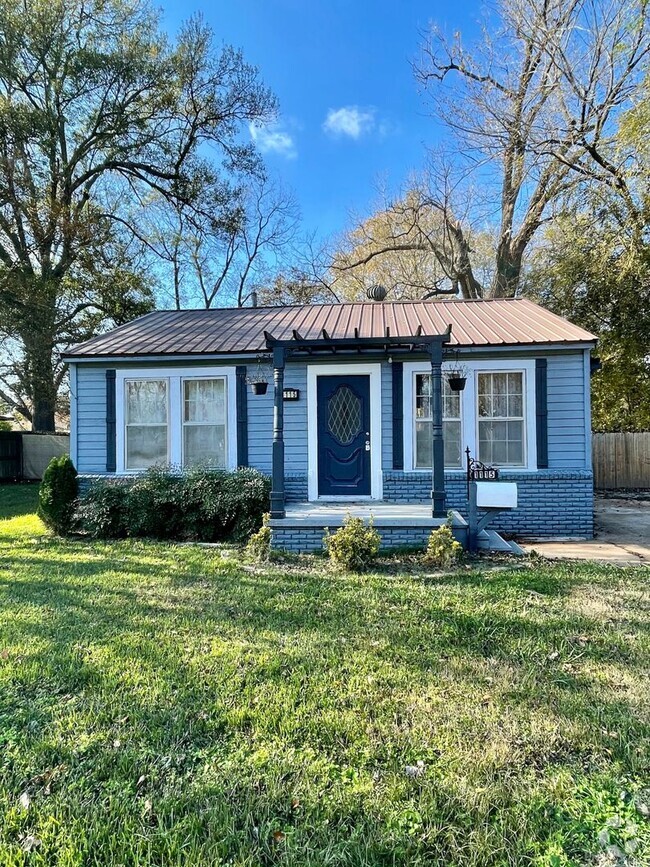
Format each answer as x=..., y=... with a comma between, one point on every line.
x=358, y=412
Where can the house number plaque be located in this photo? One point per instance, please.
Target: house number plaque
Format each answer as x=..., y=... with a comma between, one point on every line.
x=477, y=471
x=291, y=394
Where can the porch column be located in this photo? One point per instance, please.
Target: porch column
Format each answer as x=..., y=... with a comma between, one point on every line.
x=277, y=478
x=438, y=445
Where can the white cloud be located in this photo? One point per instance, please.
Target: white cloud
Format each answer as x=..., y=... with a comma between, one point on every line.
x=271, y=138
x=349, y=120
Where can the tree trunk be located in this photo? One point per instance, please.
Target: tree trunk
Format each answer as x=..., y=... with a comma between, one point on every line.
x=39, y=363
x=507, y=273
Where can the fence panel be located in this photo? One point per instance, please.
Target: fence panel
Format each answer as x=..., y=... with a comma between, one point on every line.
x=11, y=455
x=38, y=451
x=621, y=460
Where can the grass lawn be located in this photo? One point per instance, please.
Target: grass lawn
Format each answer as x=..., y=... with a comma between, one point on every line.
x=165, y=705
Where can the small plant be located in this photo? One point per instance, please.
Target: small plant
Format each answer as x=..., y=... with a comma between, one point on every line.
x=57, y=495
x=354, y=546
x=258, y=548
x=442, y=549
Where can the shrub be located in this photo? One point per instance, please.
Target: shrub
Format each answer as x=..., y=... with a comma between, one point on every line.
x=354, y=546
x=258, y=548
x=57, y=494
x=202, y=504
x=102, y=512
x=442, y=549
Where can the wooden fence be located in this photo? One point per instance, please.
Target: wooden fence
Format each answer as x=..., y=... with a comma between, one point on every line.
x=621, y=460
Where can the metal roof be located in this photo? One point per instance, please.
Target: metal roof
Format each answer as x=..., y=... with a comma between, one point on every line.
x=499, y=322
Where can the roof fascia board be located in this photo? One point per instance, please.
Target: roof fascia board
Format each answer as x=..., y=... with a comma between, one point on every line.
x=248, y=356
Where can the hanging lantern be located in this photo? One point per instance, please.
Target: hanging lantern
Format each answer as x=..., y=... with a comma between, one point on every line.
x=259, y=381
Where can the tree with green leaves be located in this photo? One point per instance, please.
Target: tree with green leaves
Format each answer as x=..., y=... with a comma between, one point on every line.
x=100, y=112
x=531, y=109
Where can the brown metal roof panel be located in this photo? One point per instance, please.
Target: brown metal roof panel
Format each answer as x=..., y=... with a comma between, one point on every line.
x=229, y=330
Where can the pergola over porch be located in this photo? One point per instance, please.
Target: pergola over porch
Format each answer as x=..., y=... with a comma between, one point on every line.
x=347, y=349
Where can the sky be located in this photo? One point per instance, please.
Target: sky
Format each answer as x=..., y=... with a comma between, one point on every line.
x=351, y=116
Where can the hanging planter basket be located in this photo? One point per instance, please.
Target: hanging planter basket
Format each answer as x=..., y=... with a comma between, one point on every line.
x=259, y=381
x=457, y=382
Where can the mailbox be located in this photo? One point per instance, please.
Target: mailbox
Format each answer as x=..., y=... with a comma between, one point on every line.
x=496, y=495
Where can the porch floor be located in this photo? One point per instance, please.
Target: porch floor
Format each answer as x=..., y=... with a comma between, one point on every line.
x=326, y=514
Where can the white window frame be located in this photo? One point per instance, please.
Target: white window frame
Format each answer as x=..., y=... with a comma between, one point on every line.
x=227, y=414
x=175, y=376
x=374, y=372
x=414, y=421
x=469, y=409
x=522, y=418
x=126, y=380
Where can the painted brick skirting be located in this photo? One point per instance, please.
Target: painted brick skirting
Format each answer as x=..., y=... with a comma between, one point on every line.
x=550, y=502
x=306, y=539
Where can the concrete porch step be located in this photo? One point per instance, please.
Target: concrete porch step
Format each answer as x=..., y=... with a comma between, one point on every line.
x=324, y=514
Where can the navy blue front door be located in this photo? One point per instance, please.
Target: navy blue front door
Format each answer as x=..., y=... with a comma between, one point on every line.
x=343, y=435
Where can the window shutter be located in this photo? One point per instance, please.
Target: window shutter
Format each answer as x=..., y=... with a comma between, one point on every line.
x=242, y=416
x=110, y=423
x=541, y=408
x=398, y=415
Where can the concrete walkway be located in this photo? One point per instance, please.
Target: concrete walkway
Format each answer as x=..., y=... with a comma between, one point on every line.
x=622, y=528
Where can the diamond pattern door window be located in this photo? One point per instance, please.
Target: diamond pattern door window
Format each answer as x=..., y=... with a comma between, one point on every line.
x=344, y=415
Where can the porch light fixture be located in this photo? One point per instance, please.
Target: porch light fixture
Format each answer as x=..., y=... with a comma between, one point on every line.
x=259, y=381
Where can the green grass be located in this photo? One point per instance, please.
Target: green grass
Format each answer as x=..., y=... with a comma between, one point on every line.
x=167, y=705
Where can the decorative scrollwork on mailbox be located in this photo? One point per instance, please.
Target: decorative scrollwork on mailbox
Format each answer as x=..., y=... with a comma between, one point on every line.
x=477, y=471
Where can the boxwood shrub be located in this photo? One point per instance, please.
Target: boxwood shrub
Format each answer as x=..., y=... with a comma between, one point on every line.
x=205, y=505
x=57, y=494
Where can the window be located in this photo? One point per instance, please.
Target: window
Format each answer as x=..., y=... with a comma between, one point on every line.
x=204, y=422
x=423, y=416
x=146, y=423
x=501, y=418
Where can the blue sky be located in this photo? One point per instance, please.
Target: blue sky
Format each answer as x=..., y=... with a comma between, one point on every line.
x=351, y=114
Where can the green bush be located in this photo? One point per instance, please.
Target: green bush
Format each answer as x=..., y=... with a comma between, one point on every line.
x=442, y=549
x=57, y=494
x=102, y=512
x=259, y=545
x=201, y=504
x=354, y=546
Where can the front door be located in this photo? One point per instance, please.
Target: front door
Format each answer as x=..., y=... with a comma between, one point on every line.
x=343, y=406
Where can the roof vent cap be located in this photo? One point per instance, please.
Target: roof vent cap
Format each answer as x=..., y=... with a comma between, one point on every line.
x=376, y=292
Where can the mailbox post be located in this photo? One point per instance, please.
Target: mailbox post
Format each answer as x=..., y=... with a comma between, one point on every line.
x=486, y=493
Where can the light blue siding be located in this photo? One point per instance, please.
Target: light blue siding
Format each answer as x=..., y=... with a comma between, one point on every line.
x=566, y=411
x=567, y=408
x=260, y=424
x=91, y=418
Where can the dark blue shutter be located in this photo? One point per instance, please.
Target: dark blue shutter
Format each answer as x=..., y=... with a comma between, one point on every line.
x=398, y=415
x=541, y=405
x=110, y=422
x=242, y=416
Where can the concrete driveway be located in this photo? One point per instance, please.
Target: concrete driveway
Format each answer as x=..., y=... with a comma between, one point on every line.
x=622, y=533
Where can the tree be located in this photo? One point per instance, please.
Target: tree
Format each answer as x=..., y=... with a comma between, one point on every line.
x=590, y=270
x=594, y=267
x=224, y=263
x=532, y=110
x=407, y=248
x=99, y=112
